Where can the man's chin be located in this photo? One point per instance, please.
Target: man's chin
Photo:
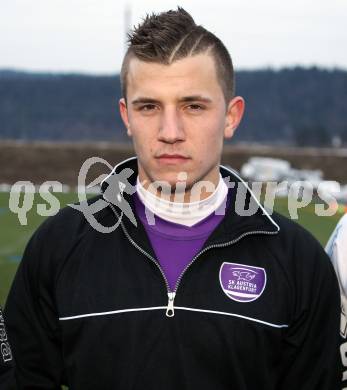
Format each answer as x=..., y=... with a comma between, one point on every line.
x=170, y=184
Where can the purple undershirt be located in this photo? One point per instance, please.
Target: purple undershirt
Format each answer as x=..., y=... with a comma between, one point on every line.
x=174, y=244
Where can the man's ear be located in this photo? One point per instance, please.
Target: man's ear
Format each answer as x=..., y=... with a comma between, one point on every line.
x=233, y=116
x=124, y=115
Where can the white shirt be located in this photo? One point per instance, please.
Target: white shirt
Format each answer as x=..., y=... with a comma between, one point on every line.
x=187, y=214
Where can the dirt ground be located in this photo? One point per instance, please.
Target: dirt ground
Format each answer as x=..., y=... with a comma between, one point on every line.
x=41, y=161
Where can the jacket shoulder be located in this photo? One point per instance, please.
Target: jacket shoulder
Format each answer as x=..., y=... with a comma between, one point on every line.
x=69, y=222
x=298, y=247
x=53, y=241
x=292, y=230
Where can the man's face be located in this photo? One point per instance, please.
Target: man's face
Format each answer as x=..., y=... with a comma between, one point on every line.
x=177, y=117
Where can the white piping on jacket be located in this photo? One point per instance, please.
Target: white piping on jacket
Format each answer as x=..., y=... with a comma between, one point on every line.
x=114, y=169
x=253, y=196
x=176, y=308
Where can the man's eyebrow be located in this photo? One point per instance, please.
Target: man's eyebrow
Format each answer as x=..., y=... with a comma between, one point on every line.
x=195, y=98
x=185, y=99
x=144, y=100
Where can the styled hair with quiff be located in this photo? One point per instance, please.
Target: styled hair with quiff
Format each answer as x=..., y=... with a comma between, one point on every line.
x=173, y=35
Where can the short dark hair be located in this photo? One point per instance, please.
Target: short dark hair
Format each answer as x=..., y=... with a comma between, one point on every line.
x=169, y=36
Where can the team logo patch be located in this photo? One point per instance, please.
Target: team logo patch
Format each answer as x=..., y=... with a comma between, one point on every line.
x=242, y=283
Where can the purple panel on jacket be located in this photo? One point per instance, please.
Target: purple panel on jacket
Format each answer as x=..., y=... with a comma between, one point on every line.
x=175, y=245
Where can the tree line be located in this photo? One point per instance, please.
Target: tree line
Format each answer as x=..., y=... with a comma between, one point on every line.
x=290, y=106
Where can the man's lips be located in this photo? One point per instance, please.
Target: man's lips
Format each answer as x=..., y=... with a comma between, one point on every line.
x=172, y=158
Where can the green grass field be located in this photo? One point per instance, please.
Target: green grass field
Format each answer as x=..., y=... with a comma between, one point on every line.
x=13, y=236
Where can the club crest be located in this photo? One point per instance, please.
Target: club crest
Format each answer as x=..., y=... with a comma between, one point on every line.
x=242, y=283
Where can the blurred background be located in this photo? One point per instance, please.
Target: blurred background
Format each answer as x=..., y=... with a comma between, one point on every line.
x=59, y=92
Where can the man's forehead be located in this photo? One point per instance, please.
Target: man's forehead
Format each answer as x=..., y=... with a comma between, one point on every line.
x=190, y=75
x=201, y=64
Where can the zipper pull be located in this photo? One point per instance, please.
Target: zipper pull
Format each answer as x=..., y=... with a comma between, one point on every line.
x=170, y=306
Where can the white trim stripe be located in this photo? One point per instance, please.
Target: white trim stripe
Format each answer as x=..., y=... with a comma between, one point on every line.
x=234, y=315
x=105, y=313
x=115, y=168
x=175, y=308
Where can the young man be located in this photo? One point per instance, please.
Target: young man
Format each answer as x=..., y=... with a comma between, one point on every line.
x=191, y=291
x=337, y=250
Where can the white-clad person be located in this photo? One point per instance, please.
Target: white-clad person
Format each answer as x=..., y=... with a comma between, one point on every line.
x=337, y=250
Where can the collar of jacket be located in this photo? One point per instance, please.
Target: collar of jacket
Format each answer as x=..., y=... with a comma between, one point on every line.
x=233, y=227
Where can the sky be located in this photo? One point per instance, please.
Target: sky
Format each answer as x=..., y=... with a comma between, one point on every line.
x=89, y=35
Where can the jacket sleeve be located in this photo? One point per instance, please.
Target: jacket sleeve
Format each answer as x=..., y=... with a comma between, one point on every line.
x=6, y=359
x=312, y=338
x=32, y=320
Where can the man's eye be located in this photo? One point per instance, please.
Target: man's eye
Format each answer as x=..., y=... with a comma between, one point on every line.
x=147, y=107
x=195, y=107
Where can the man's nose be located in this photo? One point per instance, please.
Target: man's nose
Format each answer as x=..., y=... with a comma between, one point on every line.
x=171, y=126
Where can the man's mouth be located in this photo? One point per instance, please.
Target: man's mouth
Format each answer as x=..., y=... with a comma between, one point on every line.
x=167, y=158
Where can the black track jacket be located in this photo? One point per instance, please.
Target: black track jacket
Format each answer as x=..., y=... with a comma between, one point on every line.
x=92, y=310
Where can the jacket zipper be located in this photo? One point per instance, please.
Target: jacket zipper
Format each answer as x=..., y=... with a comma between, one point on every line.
x=170, y=310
